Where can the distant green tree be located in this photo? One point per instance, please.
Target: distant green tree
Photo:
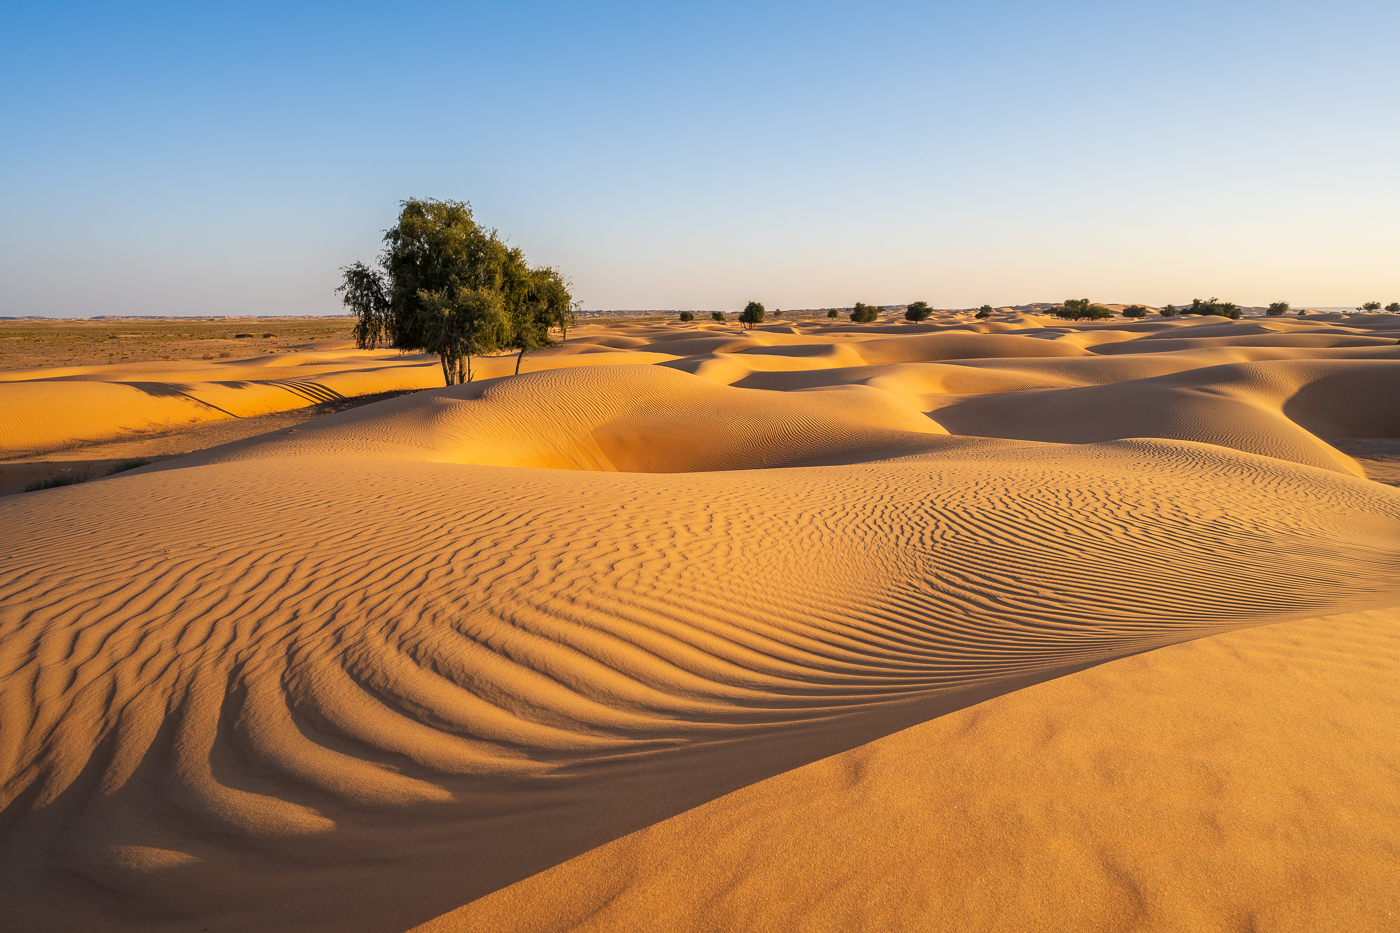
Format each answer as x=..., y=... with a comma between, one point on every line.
x=832, y=313
x=863, y=313
x=1277, y=308
x=1135, y=311
x=752, y=314
x=687, y=316
x=717, y=316
x=1393, y=307
x=1169, y=311
x=1214, y=307
x=984, y=312
x=1370, y=306
x=918, y=311
x=447, y=286
x=1080, y=309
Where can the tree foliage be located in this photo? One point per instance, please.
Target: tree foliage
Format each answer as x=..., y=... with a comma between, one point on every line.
x=984, y=312
x=918, y=311
x=1214, y=306
x=1135, y=311
x=1082, y=309
x=687, y=316
x=752, y=314
x=1393, y=307
x=863, y=313
x=1277, y=309
x=717, y=316
x=833, y=313
x=1370, y=306
x=1169, y=311
x=446, y=285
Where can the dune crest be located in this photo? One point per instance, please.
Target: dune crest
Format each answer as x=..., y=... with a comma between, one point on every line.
x=361, y=673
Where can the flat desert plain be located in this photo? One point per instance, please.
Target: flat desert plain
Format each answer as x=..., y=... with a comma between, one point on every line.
x=1015, y=624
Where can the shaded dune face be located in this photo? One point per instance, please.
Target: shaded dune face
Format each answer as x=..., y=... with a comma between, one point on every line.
x=356, y=675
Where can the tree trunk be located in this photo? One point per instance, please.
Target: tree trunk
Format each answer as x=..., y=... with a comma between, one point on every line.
x=518, y=359
x=446, y=369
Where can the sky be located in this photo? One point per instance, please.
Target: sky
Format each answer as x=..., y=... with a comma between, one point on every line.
x=233, y=158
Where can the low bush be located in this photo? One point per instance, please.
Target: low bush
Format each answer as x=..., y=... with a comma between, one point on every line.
x=1277, y=308
x=1081, y=309
x=1168, y=311
x=125, y=465
x=1135, y=311
x=1214, y=307
x=71, y=478
x=983, y=312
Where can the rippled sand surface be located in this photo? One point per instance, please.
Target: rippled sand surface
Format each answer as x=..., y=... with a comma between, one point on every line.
x=1007, y=625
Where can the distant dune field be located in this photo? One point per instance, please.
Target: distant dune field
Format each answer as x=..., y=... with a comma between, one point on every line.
x=1013, y=624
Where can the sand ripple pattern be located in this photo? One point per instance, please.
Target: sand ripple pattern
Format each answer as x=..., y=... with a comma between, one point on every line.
x=336, y=658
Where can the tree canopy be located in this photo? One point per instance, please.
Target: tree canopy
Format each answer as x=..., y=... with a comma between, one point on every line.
x=1370, y=306
x=918, y=311
x=1135, y=311
x=983, y=312
x=1081, y=309
x=752, y=313
x=446, y=285
x=1214, y=306
x=863, y=313
x=1168, y=311
x=1393, y=307
x=1277, y=308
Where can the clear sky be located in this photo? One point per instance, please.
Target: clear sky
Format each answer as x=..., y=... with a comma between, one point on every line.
x=166, y=159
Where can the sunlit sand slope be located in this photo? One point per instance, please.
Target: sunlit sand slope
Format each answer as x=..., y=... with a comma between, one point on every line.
x=357, y=675
x=381, y=689
x=1242, y=782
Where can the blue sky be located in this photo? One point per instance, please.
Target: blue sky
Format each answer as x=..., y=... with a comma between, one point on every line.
x=159, y=159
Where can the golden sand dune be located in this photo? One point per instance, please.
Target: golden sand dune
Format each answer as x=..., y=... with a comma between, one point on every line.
x=626, y=647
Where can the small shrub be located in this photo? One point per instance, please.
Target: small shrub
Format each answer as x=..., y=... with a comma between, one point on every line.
x=1080, y=309
x=207, y=356
x=70, y=478
x=1168, y=311
x=983, y=312
x=241, y=336
x=269, y=335
x=687, y=316
x=863, y=313
x=717, y=316
x=1135, y=311
x=1214, y=307
x=225, y=355
x=1278, y=308
x=918, y=311
x=125, y=465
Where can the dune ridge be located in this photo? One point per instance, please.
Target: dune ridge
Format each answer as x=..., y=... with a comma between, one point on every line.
x=356, y=675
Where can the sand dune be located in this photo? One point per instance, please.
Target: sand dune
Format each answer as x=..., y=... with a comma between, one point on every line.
x=618, y=645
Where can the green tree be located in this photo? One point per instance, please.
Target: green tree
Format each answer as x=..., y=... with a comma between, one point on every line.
x=918, y=311
x=983, y=312
x=863, y=313
x=717, y=316
x=1277, y=309
x=1079, y=309
x=752, y=314
x=1370, y=306
x=1214, y=307
x=1393, y=307
x=833, y=313
x=1168, y=311
x=1135, y=311
x=687, y=316
x=447, y=286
